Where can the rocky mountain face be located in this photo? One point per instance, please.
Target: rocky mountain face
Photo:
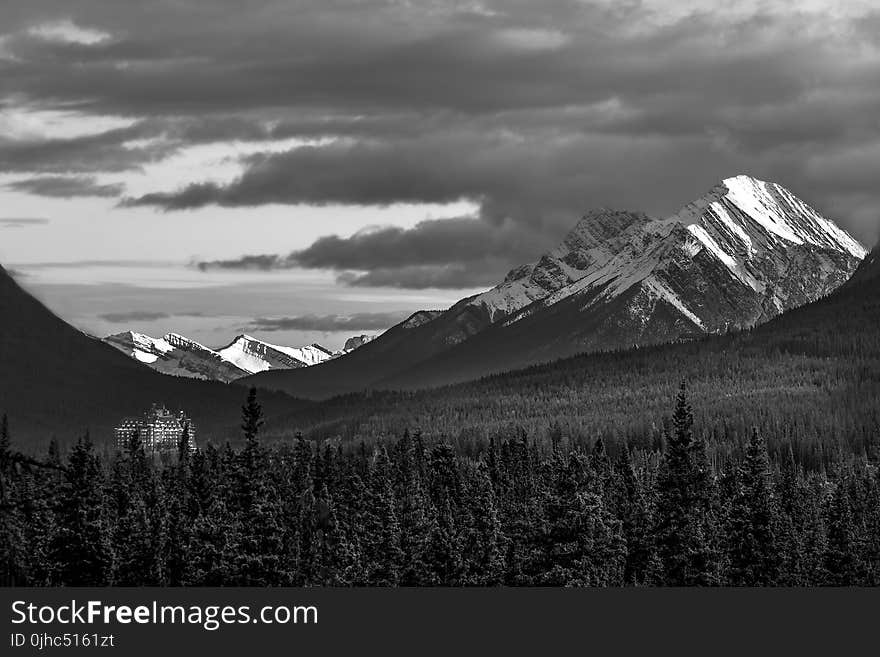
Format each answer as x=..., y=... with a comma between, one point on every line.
x=357, y=341
x=737, y=256
x=869, y=270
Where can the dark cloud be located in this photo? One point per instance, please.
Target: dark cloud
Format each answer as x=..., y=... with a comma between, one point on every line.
x=355, y=322
x=104, y=151
x=441, y=253
x=128, y=148
x=66, y=186
x=429, y=242
x=455, y=276
x=533, y=111
x=22, y=222
x=143, y=316
x=133, y=316
x=255, y=262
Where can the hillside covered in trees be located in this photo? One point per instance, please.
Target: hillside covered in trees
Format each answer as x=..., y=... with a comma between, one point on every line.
x=516, y=512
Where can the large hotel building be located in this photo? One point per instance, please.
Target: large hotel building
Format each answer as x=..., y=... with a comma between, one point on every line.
x=160, y=430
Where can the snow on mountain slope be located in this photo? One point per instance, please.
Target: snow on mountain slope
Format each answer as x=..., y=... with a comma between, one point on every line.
x=736, y=256
x=179, y=356
x=141, y=347
x=601, y=241
x=176, y=355
x=253, y=355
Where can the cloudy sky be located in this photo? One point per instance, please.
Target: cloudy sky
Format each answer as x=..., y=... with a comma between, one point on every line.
x=312, y=169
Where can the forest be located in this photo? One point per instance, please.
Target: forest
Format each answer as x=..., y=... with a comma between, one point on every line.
x=514, y=510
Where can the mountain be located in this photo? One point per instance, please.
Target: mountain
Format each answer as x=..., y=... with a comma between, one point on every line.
x=176, y=355
x=735, y=257
x=55, y=381
x=868, y=271
x=357, y=341
x=179, y=356
x=253, y=355
x=812, y=370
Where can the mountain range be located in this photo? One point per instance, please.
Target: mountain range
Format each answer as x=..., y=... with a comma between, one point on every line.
x=746, y=254
x=737, y=256
x=809, y=378
x=177, y=355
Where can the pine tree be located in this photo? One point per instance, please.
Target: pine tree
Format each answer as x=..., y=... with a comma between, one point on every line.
x=139, y=533
x=12, y=568
x=386, y=552
x=682, y=544
x=181, y=512
x=631, y=506
x=487, y=545
x=82, y=547
x=841, y=556
x=258, y=553
x=415, y=525
x=789, y=522
x=251, y=417
x=754, y=556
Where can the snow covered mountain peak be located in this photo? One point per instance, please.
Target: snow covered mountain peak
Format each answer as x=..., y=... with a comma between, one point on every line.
x=753, y=244
x=254, y=355
x=175, y=354
x=755, y=214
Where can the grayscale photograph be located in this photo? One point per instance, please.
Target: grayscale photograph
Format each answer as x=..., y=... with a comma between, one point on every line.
x=322, y=295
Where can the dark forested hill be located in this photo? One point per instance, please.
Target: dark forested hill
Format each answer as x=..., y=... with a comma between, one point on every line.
x=811, y=378
x=57, y=382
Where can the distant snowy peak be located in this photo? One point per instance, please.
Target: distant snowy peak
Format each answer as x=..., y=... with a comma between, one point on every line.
x=180, y=356
x=254, y=355
x=139, y=346
x=176, y=355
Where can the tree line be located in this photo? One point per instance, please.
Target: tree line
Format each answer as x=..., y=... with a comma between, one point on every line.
x=514, y=510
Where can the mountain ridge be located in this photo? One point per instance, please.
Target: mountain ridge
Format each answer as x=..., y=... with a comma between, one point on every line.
x=814, y=367
x=734, y=257
x=177, y=355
